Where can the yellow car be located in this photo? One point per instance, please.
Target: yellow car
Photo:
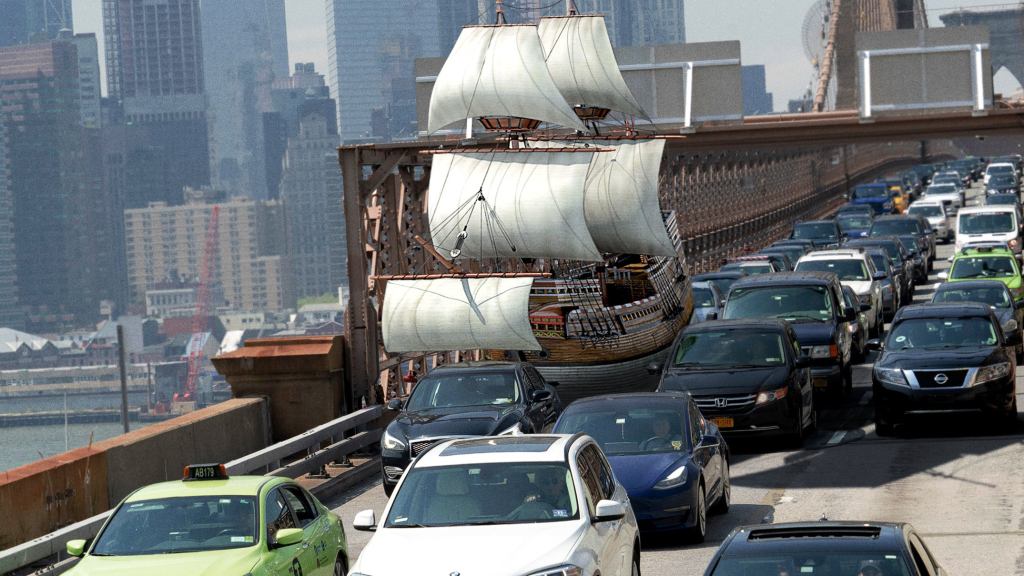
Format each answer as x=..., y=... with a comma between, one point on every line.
x=210, y=523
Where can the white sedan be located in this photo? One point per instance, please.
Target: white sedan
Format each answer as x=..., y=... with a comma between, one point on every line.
x=538, y=505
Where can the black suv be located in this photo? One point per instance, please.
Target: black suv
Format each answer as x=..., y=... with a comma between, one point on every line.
x=902, y=264
x=913, y=224
x=813, y=304
x=747, y=376
x=846, y=548
x=467, y=399
x=823, y=233
x=944, y=357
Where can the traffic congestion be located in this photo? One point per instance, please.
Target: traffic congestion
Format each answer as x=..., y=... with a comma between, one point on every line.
x=914, y=283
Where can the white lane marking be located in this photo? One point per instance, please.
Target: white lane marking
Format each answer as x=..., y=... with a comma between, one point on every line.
x=837, y=437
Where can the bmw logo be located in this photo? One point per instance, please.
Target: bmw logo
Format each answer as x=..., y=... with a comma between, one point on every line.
x=941, y=379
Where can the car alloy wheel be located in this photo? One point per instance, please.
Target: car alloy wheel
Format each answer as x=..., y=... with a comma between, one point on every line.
x=700, y=525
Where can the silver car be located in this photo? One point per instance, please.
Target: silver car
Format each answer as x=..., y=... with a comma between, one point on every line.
x=707, y=302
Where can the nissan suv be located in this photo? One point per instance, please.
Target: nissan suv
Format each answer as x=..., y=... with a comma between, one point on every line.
x=944, y=357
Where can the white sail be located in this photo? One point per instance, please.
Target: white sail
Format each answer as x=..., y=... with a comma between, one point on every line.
x=534, y=203
x=458, y=314
x=497, y=71
x=580, y=57
x=622, y=210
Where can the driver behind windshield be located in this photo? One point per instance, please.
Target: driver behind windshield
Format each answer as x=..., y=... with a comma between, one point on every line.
x=662, y=438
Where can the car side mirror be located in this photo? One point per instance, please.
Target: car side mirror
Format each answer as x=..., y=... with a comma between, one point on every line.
x=288, y=537
x=1012, y=338
x=608, y=510
x=880, y=276
x=1018, y=304
x=873, y=344
x=943, y=275
x=711, y=316
x=540, y=395
x=849, y=315
x=654, y=368
x=365, y=521
x=395, y=404
x=802, y=362
x=865, y=307
x=709, y=441
x=76, y=547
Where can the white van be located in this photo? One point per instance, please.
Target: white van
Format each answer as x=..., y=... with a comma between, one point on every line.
x=988, y=224
x=1000, y=168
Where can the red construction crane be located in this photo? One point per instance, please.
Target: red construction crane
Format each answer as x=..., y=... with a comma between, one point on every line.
x=195, y=355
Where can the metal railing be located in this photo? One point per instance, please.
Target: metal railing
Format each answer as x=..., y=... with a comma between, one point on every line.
x=274, y=460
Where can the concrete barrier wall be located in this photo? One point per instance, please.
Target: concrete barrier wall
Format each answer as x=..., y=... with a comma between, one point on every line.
x=159, y=452
x=43, y=496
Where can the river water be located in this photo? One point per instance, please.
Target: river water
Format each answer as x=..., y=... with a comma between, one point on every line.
x=24, y=444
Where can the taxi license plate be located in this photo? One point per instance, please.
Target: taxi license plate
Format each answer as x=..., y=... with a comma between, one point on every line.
x=820, y=383
x=723, y=422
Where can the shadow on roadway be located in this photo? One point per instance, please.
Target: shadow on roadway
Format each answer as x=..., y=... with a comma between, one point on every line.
x=719, y=527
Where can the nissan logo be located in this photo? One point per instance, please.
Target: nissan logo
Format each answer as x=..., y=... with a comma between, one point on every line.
x=941, y=379
x=721, y=402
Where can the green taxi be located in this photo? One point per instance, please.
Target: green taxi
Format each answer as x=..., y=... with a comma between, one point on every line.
x=210, y=523
x=987, y=263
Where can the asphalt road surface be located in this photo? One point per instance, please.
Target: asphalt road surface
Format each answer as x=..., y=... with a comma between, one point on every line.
x=960, y=483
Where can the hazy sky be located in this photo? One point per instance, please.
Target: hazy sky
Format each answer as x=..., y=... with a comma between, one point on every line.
x=770, y=33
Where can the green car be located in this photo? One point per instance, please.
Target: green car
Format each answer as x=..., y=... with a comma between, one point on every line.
x=209, y=523
x=987, y=263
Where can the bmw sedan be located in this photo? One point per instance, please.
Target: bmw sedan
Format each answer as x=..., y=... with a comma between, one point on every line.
x=673, y=462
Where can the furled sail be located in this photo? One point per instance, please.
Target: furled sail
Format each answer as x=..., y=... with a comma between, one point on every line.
x=621, y=203
x=458, y=314
x=516, y=204
x=497, y=71
x=580, y=57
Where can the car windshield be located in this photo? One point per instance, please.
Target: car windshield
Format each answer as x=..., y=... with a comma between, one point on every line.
x=927, y=211
x=1001, y=200
x=893, y=250
x=879, y=260
x=982, y=267
x=986, y=223
x=729, y=348
x=909, y=242
x=483, y=494
x=1001, y=180
x=793, y=303
x=853, y=222
x=813, y=563
x=703, y=298
x=468, y=389
x=871, y=192
x=940, y=189
x=993, y=170
x=175, y=525
x=946, y=178
x=722, y=284
x=815, y=230
x=846, y=269
x=894, y=226
x=630, y=430
x=991, y=295
x=941, y=333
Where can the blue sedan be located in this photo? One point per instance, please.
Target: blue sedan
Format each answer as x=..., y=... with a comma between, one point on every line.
x=672, y=461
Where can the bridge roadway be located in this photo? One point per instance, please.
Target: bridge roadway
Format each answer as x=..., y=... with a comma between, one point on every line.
x=958, y=483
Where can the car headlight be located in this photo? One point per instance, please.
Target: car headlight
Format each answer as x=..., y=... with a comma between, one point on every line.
x=892, y=376
x=772, y=395
x=825, y=351
x=389, y=442
x=513, y=430
x=564, y=570
x=675, y=478
x=992, y=372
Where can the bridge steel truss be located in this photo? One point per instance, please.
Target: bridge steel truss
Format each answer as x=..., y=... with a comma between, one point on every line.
x=728, y=202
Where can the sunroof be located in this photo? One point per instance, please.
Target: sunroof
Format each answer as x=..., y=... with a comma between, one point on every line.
x=816, y=532
x=502, y=444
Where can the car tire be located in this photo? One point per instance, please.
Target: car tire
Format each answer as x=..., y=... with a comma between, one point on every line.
x=635, y=570
x=339, y=566
x=699, y=531
x=796, y=438
x=847, y=380
x=725, y=498
x=884, y=426
x=388, y=489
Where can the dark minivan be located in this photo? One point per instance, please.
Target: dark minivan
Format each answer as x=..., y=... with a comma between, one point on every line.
x=749, y=377
x=812, y=302
x=466, y=399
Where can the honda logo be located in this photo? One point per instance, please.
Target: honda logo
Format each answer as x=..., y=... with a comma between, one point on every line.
x=941, y=379
x=721, y=402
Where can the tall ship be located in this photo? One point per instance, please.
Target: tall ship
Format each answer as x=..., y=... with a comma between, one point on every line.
x=554, y=245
